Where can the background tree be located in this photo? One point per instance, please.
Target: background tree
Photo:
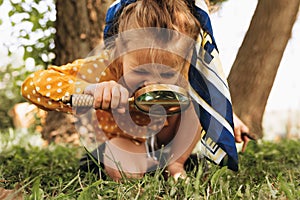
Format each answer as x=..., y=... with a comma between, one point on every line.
x=253, y=73
x=79, y=28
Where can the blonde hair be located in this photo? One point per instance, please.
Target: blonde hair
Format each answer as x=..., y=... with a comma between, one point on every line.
x=169, y=14
x=166, y=14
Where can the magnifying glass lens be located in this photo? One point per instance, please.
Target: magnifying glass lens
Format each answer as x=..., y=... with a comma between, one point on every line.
x=172, y=98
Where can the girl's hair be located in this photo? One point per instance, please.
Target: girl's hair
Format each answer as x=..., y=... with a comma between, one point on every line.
x=173, y=15
x=169, y=14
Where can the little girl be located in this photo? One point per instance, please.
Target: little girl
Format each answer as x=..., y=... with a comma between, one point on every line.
x=155, y=45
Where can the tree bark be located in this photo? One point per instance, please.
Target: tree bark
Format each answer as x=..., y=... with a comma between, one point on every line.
x=254, y=70
x=79, y=27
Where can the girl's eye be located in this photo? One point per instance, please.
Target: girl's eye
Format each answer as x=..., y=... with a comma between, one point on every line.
x=141, y=72
x=168, y=74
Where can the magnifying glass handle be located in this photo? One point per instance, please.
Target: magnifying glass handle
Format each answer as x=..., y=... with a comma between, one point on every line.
x=79, y=100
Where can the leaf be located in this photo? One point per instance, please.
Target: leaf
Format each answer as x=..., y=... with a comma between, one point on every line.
x=37, y=192
x=11, y=13
x=10, y=194
x=215, y=178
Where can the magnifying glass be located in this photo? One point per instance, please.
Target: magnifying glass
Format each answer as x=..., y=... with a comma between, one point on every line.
x=172, y=98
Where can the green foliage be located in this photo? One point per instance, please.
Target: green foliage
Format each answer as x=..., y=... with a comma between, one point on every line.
x=213, y=2
x=31, y=37
x=33, y=23
x=11, y=80
x=267, y=171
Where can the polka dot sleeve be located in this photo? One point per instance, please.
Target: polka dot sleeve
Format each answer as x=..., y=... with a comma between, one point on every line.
x=46, y=88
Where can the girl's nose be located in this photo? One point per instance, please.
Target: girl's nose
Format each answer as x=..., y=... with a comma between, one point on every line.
x=150, y=82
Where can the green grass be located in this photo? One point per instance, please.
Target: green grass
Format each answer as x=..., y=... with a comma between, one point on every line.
x=267, y=171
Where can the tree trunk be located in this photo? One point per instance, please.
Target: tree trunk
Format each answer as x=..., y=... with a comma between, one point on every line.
x=254, y=70
x=79, y=27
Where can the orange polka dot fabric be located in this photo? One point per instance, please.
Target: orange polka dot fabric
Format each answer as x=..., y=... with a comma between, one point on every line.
x=46, y=88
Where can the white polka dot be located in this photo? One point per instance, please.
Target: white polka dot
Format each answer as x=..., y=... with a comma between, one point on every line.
x=71, y=81
x=59, y=84
x=83, y=76
x=58, y=90
x=49, y=79
x=97, y=79
x=42, y=73
x=48, y=94
x=39, y=80
x=28, y=96
x=89, y=71
x=37, y=88
x=95, y=65
x=32, y=75
x=75, y=69
x=33, y=92
x=39, y=99
x=78, y=83
x=78, y=90
x=67, y=94
x=48, y=87
x=31, y=83
x=49, y=102
x=106, y=127
x=25, y=88
x=103, y=74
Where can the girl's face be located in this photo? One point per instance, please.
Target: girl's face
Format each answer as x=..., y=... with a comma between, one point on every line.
x=140, y=69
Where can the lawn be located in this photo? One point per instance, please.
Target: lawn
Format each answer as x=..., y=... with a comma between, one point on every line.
x=268, y=170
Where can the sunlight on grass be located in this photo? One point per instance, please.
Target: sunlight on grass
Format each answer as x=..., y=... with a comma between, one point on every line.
x=21, y=137
x=267, y=171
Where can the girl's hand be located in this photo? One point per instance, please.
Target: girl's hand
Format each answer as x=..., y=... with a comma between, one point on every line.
x=176, y=170
x=109, y=94
x=239, y=129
